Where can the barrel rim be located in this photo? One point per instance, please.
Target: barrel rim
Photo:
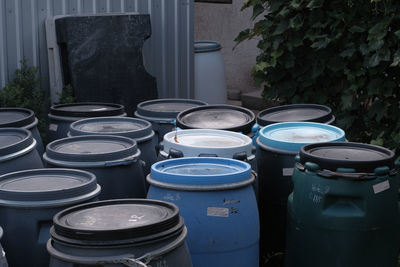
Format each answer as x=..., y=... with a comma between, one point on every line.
x=193, y=151
x=334, y=164
x=180, y=237
x=295, y=146
x=163, y=116
x=139, y=135
x=62, y=231
x=24, y=122
x=242, y=171
x=117, y=109
x=328, y=118
x=212, y=46
x=22, y=147
x=14, y=198
x=244, y=128
x=124, y=156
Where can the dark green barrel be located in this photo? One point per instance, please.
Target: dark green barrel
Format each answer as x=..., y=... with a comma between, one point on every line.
x=343, y=211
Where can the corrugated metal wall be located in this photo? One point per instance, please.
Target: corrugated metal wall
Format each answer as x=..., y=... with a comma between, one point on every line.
x=168, y=53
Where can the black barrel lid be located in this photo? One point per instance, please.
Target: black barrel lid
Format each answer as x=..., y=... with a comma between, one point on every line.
x=116, y=220
x=334, y=155
x=91, y=148
x=13, y=140
x=87, y=109
x=221, y=117
x=166, y=108
x=45, y=185
x=16, y=117
x=123, y=126
x=295, y=113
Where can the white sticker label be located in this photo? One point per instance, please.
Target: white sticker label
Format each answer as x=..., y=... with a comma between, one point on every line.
x=381, y=187
x=287, y=171
x=53, y=127
x=217, y=212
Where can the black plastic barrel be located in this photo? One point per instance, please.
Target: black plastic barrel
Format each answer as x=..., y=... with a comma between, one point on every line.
x=22, y=118
x=3, y=259
x=344, y=209
x=18, y=151
x=129, y=232
x=61, y=116
x=162, y=113
x=296, y=113
x=277, y=146
x=219, y=117
x=113, y=159
x=136, y=129
x=28, y=201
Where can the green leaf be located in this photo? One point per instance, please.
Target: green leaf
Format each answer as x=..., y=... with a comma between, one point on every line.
x=374, y=60
x=281, y=28
x=296, y=22
x=347, y=52
x=377, y=111
x=396, y=59
x=374, y=44
x=346, y=101
x=257, y=10
x=315, y=4
x=320, y=44
x=356, y=28
x=397, y=33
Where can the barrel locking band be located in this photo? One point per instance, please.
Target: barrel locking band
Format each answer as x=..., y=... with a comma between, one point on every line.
x=351, y=176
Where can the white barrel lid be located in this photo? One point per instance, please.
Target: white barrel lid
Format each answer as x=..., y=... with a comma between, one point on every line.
x=292, y=136
x=207, y=142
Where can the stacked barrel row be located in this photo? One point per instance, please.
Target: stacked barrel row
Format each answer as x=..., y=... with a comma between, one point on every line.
x=221, y=190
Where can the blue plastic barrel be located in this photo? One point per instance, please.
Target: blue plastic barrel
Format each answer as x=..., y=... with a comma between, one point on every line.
x=218, y=204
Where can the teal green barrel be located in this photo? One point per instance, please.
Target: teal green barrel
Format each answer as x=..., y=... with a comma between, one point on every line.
x=343, y=211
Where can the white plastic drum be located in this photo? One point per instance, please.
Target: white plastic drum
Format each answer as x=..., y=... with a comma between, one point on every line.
x=209, y=73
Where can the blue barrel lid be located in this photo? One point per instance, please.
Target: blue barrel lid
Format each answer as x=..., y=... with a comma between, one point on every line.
x=87, y=109
x=206, y=46
x=122, y=126
x=200, y=171
x=291, y=136
x=166, y=108
x=47, y=187
x=117, y=221
x=91, y=148
x=16, y=117
x=13, y=140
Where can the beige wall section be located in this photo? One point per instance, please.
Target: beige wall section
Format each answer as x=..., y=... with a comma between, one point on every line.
x=222, y=23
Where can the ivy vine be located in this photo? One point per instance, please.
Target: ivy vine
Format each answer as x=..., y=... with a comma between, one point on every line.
x=344, y=54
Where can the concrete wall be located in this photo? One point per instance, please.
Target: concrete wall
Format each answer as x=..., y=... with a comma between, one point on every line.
x=222, y=23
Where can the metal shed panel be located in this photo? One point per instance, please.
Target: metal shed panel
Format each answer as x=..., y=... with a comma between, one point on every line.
x=168, y=53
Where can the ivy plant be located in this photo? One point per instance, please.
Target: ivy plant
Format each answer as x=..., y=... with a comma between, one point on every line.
x=343, y=54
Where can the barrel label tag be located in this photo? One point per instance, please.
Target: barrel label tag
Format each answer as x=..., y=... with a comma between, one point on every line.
x=383, y=186
x=53, y=127
x=287, y=171
x=217, y=212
